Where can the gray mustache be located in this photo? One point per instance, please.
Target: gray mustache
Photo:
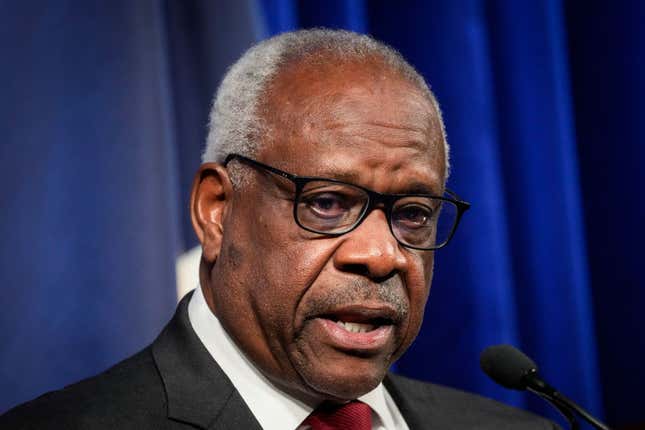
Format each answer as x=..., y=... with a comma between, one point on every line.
x=390, y=291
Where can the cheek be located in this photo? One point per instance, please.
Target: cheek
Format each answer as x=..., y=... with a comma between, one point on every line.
x=419, y=281
x=278, y=264
x=289, y=270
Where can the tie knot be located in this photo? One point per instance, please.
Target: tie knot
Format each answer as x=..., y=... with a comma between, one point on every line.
x=354, y=415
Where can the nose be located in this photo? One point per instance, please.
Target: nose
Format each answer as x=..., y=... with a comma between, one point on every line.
x=371, y=250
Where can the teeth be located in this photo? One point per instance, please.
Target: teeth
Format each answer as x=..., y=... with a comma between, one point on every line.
x=355, y=327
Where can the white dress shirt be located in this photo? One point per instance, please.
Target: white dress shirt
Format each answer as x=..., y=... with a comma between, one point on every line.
x=273, y=408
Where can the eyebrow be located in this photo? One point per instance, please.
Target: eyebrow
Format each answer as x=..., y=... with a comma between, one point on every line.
x=422, y=188
x=339, y=175
x=415, y=187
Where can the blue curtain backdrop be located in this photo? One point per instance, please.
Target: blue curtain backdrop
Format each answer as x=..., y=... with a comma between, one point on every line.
x=102, y=119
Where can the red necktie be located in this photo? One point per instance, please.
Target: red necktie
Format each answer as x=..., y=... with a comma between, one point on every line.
x=354, y=415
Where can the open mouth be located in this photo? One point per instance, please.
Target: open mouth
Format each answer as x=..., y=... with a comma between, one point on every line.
x=358, y=329
x=354, y=324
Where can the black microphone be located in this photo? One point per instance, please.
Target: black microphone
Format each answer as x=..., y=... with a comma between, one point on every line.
x=512, y=369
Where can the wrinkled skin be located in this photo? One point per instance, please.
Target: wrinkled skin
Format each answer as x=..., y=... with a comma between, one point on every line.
x=271, y=283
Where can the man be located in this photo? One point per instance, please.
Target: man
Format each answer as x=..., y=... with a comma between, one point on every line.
x=319, y=206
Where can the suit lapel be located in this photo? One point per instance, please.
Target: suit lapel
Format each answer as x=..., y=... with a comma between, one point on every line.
x=418, y=406
x=197, y=390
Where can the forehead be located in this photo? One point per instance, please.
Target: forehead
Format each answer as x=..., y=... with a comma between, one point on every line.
x=352, y=120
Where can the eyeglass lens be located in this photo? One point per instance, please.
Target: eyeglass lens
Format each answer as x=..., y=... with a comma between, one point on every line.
x=335, y=208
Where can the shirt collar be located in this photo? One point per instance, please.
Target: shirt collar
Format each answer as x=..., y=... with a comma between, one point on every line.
x=273, y=408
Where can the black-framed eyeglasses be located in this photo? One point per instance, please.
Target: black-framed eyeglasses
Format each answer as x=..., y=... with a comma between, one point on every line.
x=332, y=207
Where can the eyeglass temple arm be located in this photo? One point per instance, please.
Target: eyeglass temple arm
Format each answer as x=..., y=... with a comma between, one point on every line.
x=263, y=166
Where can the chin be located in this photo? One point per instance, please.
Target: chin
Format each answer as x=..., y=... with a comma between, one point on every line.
x=345, y=379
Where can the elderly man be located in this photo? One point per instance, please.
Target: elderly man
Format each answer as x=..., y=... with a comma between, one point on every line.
x=319, y=206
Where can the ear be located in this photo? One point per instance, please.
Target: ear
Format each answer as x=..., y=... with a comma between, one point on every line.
x=210, y=196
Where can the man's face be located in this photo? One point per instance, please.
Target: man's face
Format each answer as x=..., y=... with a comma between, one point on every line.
x=291, y=298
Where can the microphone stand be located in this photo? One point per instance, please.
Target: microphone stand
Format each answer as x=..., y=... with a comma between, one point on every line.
x=560, y=407
x=566, y=406
x=584, y=414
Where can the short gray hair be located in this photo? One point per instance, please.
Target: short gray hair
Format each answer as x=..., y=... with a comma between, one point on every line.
x=235, y=123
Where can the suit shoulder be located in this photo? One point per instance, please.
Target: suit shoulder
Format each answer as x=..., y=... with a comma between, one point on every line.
x=127, y=392
x=459, y=409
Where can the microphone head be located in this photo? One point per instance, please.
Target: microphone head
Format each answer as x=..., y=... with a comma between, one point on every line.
x=507, y=366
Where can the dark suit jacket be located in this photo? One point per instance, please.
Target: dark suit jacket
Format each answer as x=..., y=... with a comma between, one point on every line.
x=174, y=383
